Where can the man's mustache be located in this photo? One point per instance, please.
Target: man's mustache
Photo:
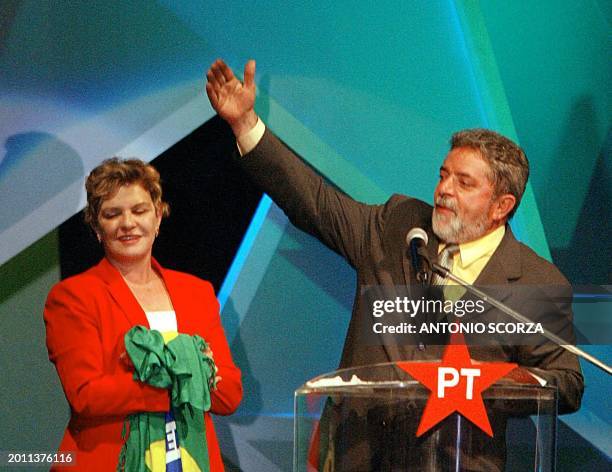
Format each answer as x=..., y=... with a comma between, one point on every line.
x=447, y=202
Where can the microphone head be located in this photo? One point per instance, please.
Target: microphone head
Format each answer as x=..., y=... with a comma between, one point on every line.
x=417, y=233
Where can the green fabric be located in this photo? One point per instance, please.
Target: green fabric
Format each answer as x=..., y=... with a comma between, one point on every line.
x=182, y=367
x=145, y=428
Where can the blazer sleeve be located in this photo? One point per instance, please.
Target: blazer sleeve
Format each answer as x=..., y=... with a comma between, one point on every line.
x=228, y=394
x=313, y=205
x=560, y=368
x=74, y=342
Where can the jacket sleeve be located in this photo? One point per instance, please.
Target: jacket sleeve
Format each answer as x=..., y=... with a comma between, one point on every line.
x=310, y=203
x=74, y=342
x=228, y=394
x=560, y=368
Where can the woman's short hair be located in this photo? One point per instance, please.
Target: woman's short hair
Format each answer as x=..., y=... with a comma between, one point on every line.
x=112, y=174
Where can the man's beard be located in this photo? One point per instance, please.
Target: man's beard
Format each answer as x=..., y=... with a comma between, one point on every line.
x=456, y=230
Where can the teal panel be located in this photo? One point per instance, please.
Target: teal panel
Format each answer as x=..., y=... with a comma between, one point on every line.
x=382, y=86
x=554, y=60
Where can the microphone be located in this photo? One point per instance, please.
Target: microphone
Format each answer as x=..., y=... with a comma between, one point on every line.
x=417, y=241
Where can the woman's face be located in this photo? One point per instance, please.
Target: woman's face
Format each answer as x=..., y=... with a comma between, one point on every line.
x=127, y=224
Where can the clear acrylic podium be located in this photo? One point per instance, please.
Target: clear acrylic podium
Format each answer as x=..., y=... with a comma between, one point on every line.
x=366, y=418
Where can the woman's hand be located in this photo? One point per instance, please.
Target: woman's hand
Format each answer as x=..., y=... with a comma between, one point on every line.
x=208, y=353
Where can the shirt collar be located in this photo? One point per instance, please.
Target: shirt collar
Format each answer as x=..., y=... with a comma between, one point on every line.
x=482, y=247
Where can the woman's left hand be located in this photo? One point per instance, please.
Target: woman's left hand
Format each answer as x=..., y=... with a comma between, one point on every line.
x=208, y=353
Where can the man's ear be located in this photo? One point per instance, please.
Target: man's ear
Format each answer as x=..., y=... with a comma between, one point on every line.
x=503, y=206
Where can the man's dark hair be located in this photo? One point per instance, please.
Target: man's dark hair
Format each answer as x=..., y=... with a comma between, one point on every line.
x=508, y=162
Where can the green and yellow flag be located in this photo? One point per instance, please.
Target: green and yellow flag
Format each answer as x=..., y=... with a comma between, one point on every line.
x=177, y=363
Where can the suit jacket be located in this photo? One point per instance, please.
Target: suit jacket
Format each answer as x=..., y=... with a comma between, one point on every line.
x=86, y=318
x=372, y=239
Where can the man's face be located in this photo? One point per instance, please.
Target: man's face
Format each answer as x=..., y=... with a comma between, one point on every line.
x=464, y=207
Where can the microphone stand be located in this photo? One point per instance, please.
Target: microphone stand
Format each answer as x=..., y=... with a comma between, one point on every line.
x=445, y=273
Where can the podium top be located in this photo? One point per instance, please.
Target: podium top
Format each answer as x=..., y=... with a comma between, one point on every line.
x=381, y=380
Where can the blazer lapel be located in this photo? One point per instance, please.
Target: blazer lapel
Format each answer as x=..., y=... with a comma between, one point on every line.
x=122, y=294
x=505, y=263
x=504, y=266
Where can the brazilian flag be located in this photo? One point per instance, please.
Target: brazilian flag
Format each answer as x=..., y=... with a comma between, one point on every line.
x=177, y=363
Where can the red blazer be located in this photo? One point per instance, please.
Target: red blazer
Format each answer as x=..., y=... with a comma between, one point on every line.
x=86, y=318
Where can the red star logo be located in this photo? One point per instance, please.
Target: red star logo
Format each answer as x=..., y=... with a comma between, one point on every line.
x=456, y=384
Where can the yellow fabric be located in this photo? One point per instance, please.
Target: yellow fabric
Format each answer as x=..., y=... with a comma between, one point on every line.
x=169, y=336
x=155, y=456
x=189, y=463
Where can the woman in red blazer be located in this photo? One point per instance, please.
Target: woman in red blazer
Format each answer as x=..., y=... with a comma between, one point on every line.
x=87, y=316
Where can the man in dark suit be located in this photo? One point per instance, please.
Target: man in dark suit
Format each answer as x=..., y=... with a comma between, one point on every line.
x=482, y=180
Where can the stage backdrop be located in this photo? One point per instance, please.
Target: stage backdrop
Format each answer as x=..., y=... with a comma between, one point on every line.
x=368, y=95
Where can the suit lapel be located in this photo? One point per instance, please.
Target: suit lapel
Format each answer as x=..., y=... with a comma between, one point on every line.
x=504, y=266
x=122, y=294
x=505, y=263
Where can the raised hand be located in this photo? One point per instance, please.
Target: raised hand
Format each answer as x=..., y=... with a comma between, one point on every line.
x=233, y=100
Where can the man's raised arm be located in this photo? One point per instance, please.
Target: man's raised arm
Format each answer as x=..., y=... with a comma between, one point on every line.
x=341, y=223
